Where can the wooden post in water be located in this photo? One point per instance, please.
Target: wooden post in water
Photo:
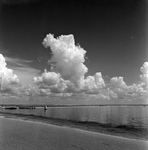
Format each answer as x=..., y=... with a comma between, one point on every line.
x=45, y=107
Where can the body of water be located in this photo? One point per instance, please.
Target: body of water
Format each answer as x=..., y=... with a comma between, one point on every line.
x=136, y=116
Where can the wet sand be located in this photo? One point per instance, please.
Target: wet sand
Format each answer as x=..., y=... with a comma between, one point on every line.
x=26, y=134
x=122, y=131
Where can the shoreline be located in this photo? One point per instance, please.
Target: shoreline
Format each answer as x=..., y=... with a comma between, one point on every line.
x=121, y=131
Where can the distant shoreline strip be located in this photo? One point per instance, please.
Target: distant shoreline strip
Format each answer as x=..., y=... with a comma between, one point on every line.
x=33, y=106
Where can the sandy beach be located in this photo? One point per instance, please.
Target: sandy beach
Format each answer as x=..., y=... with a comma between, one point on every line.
x=24, y=132
x=21, y=135
x=122, y=131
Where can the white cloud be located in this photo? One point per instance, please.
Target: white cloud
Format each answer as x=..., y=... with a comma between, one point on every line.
x=67, y=74
x=50, y=81
x=68, y=58
x=48, y=78
x=93, y=84
x=7, y=78
x=67, y=67
x=122, y=89
x=144, y=70
x=118, y=82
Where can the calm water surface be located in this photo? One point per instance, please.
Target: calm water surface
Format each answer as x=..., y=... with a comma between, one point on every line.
x=114, y=115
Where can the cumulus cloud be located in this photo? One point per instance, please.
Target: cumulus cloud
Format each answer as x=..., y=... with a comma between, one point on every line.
x=118, y=82
x=123, y=90
x=67, y=73
x=50, y=82
x=120, y=86
x=136, y=89
x=92, y=84
x=68, y=58
x=144, y=76
x=48, y=78
x=7, y=77
x=67, y=67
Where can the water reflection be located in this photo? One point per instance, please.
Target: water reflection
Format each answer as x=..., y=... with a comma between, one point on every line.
x=114, y=115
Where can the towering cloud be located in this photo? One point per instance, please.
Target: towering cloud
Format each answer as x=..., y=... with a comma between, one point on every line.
x=67, y=67
x=7, y=78
x=68, y=58
x=118, y=86
x=67, y=74
x=144, y=76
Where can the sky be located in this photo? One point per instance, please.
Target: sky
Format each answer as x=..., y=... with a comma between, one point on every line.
x=74, y=52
